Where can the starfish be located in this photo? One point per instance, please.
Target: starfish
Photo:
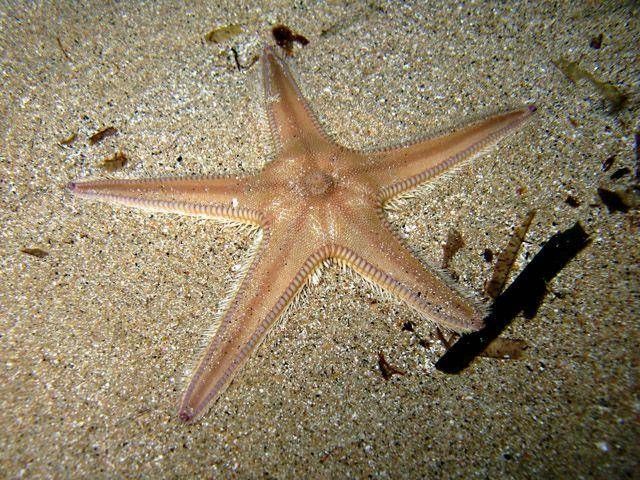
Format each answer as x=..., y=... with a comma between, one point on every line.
x=315, y=202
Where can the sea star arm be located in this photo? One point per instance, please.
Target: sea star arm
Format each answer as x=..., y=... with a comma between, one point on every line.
x=400, y=169
x=212, y=197
x=279, y=269
x=373, y=251
x=290, y=117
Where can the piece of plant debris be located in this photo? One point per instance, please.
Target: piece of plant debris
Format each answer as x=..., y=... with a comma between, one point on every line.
x=223, y=33
x=453, y=244
x=69, y=140
x=525, y=294
x=637, y=150
x=35, y=252
x=619, y=173
x=505, y=349
x=285, y=37
x=102, y=134
x=443, y=340
x=236, y=59
x=407, y=327
x=324, y=457
x=572, y=201
x=596, y=42
x=114, y=162
x=612, y=96
x=607, y=163
x=507, y=257
x=64, y=52
x=620, y=200
x=387, y=369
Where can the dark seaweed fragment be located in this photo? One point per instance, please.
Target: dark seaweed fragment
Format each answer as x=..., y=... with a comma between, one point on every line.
x=596, y=42
x=285, y=37
x=407, y=327
x=64, y=52
x=607, y=163
x=35, y=252
x=235, y=58
x=386, y=368
x=240, y=66
x=523, y=295
x=637, y=150
x=572, y=201
x=102, y=134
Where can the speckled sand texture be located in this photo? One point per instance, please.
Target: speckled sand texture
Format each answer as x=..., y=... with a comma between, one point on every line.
x=96, y=338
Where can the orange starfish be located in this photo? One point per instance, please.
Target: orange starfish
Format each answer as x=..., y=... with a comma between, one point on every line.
x=316, y=201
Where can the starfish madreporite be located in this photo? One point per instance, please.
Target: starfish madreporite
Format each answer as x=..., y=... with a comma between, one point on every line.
x=316, y=201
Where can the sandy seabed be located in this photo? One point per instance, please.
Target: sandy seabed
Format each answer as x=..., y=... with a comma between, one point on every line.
x=98, y=336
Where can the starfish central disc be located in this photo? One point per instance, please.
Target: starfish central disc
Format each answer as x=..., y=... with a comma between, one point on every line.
x=317, y=183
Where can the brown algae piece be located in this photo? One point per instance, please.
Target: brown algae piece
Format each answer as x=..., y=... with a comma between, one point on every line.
x=607, y=163
x=64, y=52
x=386, y=368
x=612, y=96
x=494, y=286
x=102, y=134
x=407, y=326
x=453, y=244
x=69, y=140
x=596, y=42
x=115, y=162
x=572, y=201
x=35, y=252
x=637, y=150
x=223, y=33
x=285, y=37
